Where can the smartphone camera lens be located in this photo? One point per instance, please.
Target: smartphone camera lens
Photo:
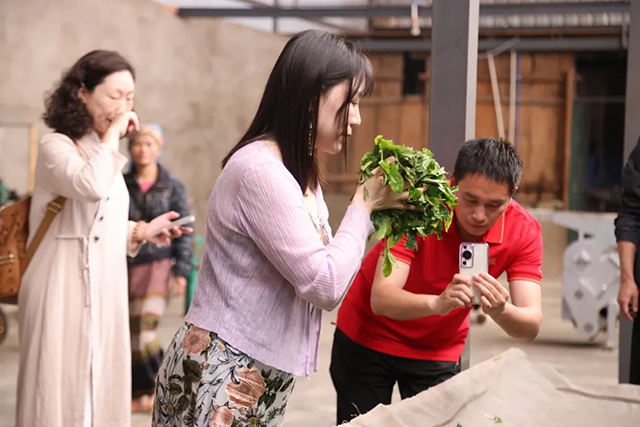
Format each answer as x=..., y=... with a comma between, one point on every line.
x=466, y=254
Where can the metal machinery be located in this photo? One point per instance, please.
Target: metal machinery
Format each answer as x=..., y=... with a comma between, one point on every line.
x=591, y=272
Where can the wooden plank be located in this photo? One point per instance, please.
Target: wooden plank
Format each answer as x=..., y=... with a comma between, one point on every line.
x=397, y=100
x=389, y=65
x=497, y=99
x=551, y=65
x=525, y=101
x=387, y=122
x=541, y=139
x=426, y=103
x=486, y=125
x=363, y=136
x=542, y=128
x=568, y=120
x=344, y=179
x=483, y=89
x=411, y=125
x=425, y=124
x=513, y=82
x=387, y=88
x=542, y=90
x=532, y=198
x=526, y=79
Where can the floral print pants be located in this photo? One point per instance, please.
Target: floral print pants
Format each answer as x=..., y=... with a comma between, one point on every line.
x=204, y=382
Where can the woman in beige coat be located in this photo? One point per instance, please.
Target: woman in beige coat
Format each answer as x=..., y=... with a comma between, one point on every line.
x=75, y=359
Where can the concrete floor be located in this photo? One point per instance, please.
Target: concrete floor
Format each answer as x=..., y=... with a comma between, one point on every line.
x=313, y=401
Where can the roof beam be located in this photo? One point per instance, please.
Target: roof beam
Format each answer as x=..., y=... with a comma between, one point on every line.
x=259, y=4
x=405, y=11
x=536, y=44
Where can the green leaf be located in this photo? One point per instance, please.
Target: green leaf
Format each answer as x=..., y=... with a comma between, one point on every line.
x=447, y=222
x=277, y=384
x=384, y=143
x=393, y=239
x=413, y=170
x=411, y=242
x=183, y=404
x=192, y=370
x=389, y=262
x=270, y=400
x=415, y=195
x=188, y=388
x=383, y=227
x=286, y=385
x=396, y=182
x=496, y=419
x=387, y=266
x=175, y=389
x=263, y=398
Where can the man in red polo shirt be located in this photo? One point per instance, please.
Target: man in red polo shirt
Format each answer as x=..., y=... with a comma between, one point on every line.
x=411, y=327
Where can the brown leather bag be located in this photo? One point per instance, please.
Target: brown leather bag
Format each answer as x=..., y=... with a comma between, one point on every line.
x=14, y=253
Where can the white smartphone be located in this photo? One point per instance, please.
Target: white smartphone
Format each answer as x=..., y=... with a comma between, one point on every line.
x=176, y=223
x=474, y=259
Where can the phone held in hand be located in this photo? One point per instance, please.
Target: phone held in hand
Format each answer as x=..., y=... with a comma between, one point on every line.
x=631, y=311
x=176, y=223
x=473, y=259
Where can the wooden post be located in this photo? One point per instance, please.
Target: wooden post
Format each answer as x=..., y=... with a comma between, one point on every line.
x=512, y=96
x=495, y=89
x=33, y=155
x=570, y=88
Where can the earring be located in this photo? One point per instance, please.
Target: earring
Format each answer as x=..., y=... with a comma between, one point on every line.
x=310, y=139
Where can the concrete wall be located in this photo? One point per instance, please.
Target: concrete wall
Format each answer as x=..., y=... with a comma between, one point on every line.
x=200, y=79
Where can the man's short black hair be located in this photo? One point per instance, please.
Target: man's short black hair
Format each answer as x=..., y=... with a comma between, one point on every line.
x=496, y=159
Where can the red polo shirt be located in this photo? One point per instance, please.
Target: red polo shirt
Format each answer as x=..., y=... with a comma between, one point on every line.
x=515, y=246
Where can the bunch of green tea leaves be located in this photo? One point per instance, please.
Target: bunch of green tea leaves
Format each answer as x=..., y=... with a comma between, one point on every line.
x=412, y=171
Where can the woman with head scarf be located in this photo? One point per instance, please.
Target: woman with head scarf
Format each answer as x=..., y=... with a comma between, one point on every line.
x=152, y=191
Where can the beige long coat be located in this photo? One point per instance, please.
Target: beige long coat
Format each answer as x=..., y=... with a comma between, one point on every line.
x=75, y=367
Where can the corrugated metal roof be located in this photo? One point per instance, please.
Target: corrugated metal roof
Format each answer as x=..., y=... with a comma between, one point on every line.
x=288, y=25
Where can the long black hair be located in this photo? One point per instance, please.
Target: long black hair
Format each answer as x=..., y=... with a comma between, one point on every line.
x=311, y=63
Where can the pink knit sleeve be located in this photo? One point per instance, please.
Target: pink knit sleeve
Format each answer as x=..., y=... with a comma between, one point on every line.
x=273, y=214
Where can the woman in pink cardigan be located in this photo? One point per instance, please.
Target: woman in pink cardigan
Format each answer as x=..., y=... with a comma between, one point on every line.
x=270, y=264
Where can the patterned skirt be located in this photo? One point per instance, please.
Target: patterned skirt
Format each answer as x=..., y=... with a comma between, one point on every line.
x=205, y=382
x=148, y=293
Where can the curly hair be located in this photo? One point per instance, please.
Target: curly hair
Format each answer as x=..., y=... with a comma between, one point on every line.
x=64, y=111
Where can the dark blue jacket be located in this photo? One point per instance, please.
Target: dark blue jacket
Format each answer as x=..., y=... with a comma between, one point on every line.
x=167, y=194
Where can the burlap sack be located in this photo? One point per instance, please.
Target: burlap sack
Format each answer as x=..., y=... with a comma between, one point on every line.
x=516, y=391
